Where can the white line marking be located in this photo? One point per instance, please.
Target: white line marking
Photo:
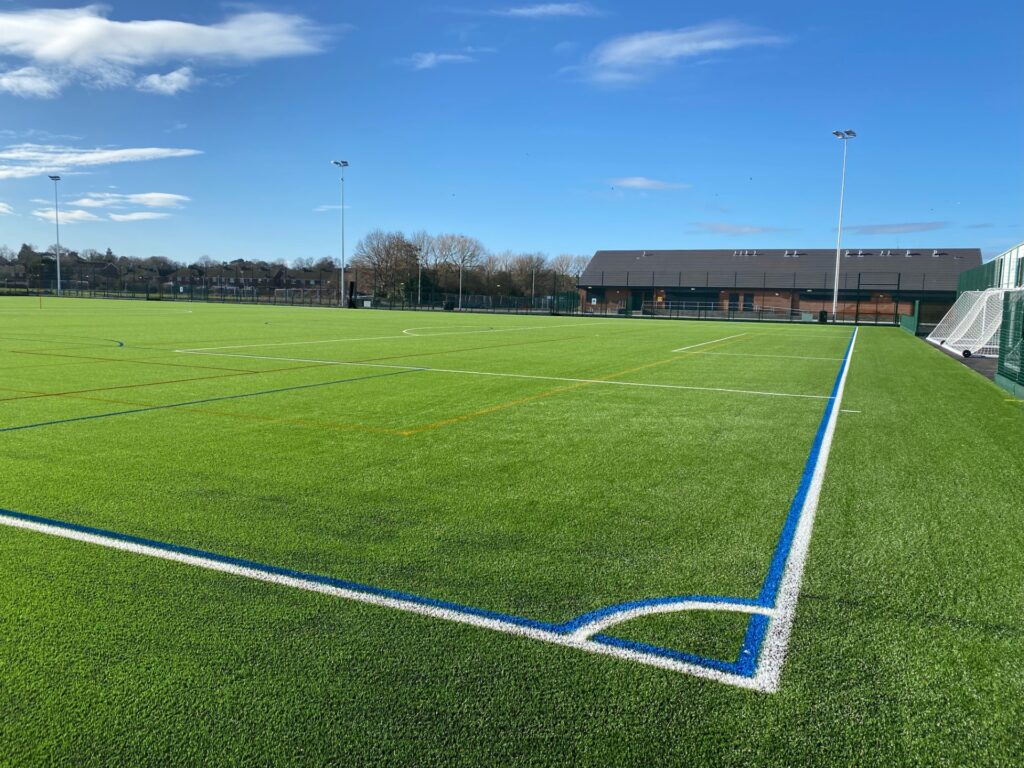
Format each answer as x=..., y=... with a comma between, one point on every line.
x=783, y=357
x=402, y=335
x=705, y=343
x=773, y=654
x=599, y=625
x=570, y=380
x=498, y=625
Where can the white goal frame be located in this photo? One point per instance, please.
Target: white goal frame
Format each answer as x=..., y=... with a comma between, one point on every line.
x=971, y=327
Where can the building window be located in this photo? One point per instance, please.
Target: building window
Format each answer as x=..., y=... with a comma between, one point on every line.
x=748, y=302
x=734, y=302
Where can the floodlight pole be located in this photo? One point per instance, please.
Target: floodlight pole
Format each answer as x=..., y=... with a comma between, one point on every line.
x=845, y=136
x=342, y=164
x=56, y=221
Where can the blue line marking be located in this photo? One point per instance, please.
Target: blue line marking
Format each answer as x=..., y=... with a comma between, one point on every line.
x=199, y=402
x=73, y=341
x=750, y=651
x=757, y=626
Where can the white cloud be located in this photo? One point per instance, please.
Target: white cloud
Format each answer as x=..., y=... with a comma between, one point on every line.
x=325, y=208
x=168, y=85
x=549, y=10
x=642, y=182
x=897, y=229
x=5, y=209
x=632, y=57
x=146, y=199
x=723, y=228
x=22, y=161
x=83, y=44
x=138, y=216
x=431, y=60
x=29, y=82
x=73, y=216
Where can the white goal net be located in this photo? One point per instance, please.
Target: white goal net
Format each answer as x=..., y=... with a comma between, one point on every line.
x=297, y=295
x=971, y=327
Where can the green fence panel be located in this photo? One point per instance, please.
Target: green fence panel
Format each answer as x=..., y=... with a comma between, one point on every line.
x=1010, y=373
x=978, y=279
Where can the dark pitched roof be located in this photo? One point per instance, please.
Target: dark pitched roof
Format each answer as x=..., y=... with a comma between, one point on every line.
x=931, y=269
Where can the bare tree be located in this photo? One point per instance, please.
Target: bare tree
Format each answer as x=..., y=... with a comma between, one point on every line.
x=390, y=256
x=568, y=264
x=524, y=268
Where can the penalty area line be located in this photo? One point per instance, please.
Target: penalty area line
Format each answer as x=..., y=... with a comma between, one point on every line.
x=524, y=376
x=713, y=341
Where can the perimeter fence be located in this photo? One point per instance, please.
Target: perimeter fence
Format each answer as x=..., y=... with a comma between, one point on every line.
x=1010, y=371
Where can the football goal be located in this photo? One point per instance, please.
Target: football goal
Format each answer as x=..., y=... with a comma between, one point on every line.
x=971, y=327
x=299, y=295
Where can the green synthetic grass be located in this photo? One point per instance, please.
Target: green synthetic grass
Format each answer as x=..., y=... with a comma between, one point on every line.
x=537, y=497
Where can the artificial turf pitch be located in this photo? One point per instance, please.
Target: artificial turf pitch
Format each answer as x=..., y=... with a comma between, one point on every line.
x=509, y=464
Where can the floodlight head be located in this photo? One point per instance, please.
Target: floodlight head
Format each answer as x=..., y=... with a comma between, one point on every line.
x=340, y=163
x=837, y=134
x=55, y=178
x=849, y=133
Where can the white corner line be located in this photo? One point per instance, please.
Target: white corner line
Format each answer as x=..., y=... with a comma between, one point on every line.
x=776, y=643
x=447, y=614
x=713, y=341
x=587, y=631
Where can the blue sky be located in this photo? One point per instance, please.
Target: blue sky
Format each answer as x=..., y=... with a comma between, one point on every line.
x=558, y=127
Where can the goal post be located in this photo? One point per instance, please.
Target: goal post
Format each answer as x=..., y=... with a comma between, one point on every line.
x=971, y=327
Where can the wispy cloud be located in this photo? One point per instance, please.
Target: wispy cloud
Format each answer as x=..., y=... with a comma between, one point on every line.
x=22, y=161
x=642, y=182
x=325, y=208
x=145, y=199
x=73, y=216
x=725, y=228
x=5, y=209
x=170, y=84
x=630, y=58
x=138, y=216
x=29, y=82
x=549, y=11
x=897, y=229
x=62, y=46
x=432, y=59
